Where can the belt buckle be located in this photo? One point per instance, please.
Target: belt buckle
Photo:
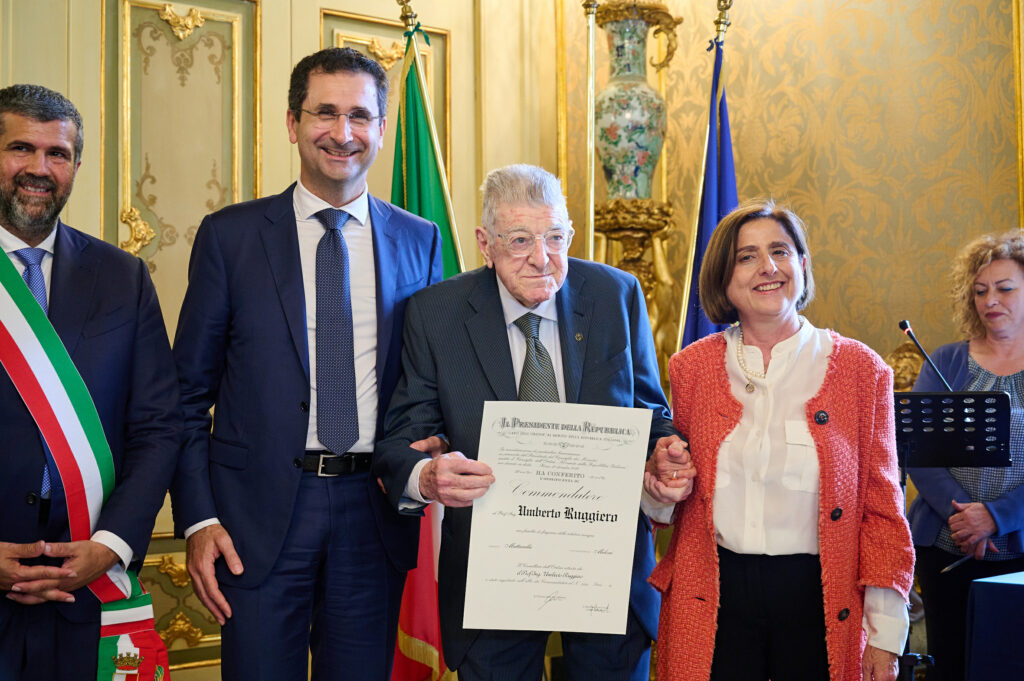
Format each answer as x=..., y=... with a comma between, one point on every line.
x=320, y=466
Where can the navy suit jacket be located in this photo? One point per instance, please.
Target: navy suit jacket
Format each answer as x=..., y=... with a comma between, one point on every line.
x=105, y=311
x=456, y=356
x=241, y=346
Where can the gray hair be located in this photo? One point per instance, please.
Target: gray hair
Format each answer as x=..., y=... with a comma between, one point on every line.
x=41, y=104
x=520, y=184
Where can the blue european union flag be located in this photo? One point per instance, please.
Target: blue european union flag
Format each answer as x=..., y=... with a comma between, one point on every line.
x=717, y=197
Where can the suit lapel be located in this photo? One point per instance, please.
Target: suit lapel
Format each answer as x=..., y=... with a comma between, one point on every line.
x=489, y=336
x=385, y=253
x=281, y=243
x=72, y=281
x=574, y=315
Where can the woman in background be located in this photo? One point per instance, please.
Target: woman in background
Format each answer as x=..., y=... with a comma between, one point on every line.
x=977, y=511
x=793, y=542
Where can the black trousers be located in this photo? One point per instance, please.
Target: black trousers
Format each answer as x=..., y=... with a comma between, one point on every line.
x=945, y=604
x=771, y=621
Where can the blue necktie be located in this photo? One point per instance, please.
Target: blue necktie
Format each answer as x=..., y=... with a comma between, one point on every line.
x=33, y=276
x=337, y=416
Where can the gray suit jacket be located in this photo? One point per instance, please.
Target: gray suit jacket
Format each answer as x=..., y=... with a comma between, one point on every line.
x=456, y=356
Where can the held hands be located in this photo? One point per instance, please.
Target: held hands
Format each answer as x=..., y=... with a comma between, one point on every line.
x=879, y=665
x=84, y=561
x=971, y=527
x=669, y=473
x=455, y=480
x=433, y=445
x=202, y=550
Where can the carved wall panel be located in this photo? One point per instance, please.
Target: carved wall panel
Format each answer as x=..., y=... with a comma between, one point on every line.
x=382, y=40
x=185, y=135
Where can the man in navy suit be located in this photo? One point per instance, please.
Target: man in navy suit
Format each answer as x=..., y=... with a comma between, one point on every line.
x=463, y=345
x=102, y=304
x=291, y=330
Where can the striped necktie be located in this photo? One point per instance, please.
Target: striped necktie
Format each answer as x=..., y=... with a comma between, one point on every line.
x=537, y=379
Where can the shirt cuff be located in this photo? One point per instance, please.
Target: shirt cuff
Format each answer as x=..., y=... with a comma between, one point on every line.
x=200, y=525
x=658, y=511
x=412, y=498
x=886, y=620
x=115, y=544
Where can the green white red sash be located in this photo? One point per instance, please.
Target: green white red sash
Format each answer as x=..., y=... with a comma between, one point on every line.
x=57, y=397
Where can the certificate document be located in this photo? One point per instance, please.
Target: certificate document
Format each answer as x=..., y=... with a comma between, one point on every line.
x=551, y=545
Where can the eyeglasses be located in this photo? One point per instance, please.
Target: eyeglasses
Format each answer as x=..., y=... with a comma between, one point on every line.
x=521, y=243
x=359, y=119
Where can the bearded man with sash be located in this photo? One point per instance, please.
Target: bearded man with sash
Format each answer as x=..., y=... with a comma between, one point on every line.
x=89, y=418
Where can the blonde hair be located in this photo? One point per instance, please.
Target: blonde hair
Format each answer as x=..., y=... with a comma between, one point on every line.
x=972, y=258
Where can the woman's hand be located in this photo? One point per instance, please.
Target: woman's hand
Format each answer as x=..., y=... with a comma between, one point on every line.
x=970, y=525
x=879, y=665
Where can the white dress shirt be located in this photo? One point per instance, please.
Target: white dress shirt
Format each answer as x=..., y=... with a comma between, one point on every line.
x=10, y=244
x=358, y=235
x=512, y=310
x=767, y=477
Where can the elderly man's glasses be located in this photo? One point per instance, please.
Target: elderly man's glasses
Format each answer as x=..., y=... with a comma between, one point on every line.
x=358, y=119
x=521, y=243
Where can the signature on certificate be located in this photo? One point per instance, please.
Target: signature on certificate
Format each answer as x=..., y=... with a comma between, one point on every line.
x=553, y=597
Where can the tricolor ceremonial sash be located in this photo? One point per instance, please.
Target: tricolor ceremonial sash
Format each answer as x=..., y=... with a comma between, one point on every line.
x=59, y=401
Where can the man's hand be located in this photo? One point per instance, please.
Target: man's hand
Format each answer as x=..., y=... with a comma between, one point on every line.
x=433, y=445
x=84, y=561
x=31, y=584
x=202, y=550
x=879, y=665
x=455, y=480
x=971, y=524
x=669, y=473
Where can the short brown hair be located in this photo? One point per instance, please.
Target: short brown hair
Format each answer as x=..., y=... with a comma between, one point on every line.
x=333, y=60
x=974, y=257
x=720, y=257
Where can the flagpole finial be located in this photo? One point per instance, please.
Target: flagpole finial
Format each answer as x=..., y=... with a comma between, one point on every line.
x=408, y=16
x=722, y=22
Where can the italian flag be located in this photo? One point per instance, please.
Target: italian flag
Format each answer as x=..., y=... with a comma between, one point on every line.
x=419, y=184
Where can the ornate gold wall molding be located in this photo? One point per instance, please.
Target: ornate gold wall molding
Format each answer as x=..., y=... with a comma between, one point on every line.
x=182, y=26
x=139, y=231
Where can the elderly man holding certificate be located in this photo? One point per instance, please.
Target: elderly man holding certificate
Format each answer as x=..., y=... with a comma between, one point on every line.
x=533, y=326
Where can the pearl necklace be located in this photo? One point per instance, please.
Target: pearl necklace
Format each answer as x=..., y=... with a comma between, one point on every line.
x=747, y=373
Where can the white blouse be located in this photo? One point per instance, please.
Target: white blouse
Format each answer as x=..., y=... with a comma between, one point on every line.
x=767, y=478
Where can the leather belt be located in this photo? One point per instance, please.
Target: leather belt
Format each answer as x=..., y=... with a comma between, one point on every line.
x=328, y=465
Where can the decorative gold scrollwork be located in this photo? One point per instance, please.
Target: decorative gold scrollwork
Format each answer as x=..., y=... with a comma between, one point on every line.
x=632, y=223
x=139, y=231
x=175, y=570
x=653, y=13
x=181, y=627
x=385, y=56
x=182, y=25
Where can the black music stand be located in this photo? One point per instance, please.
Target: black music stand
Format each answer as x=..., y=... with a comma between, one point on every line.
x=946, y=429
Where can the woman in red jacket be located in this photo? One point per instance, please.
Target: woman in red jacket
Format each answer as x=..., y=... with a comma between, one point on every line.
x=791, y=559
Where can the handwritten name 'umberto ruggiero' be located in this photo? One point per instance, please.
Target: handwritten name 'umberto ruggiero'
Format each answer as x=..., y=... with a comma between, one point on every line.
x=568, y=513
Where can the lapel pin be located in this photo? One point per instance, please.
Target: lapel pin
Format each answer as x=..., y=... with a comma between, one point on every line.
x=579, y=336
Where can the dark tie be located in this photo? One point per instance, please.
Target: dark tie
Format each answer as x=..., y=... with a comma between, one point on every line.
x=33, y=276
x=337, y=415
x=537, y=380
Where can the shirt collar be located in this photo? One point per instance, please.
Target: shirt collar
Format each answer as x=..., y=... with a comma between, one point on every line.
x=513, y=309
x=307, y=204
x=12, y=243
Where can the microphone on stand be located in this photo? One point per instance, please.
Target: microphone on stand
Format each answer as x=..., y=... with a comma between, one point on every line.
x=905, y=327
